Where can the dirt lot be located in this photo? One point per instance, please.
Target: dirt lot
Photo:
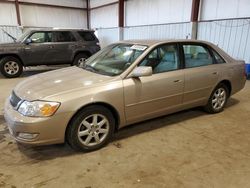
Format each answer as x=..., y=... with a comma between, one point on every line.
x=186, y=149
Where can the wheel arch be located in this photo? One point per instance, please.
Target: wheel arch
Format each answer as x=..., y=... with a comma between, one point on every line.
x=82, y=52
x=103, y=104
x=12, y=55
x=228, y=84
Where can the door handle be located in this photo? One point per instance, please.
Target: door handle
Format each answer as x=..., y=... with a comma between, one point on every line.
x=215, y=73
x=176, y=81
x=51, y=47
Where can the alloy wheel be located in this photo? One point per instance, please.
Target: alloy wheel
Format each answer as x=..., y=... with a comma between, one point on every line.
x=219, y=98
x=11, y=67
x=81, y=62
x=93, y=130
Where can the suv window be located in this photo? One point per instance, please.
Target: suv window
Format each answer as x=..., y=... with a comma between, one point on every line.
x=196, y=56
x=40, y=37
x=87, y=36
x=63, y=36
x=162, y=59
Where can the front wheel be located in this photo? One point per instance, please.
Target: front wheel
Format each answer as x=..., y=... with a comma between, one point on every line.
x=90, y=129
x=218, y=99
x=11, y=67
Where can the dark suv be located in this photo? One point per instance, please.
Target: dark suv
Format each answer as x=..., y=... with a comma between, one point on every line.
x=47, y=47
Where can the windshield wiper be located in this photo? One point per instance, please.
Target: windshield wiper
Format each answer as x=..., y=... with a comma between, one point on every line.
x=13, y=38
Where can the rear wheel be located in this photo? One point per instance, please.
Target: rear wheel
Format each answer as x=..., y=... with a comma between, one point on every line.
x=218, y=99
x=80, y=59
x=90, y=129
x=11, y=67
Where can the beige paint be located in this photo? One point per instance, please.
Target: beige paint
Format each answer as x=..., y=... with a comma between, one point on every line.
x=134, y=99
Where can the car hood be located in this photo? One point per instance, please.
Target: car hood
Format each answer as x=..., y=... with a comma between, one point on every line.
x=57, y=82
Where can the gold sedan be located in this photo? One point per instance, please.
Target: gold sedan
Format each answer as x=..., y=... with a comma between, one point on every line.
x=124, y=83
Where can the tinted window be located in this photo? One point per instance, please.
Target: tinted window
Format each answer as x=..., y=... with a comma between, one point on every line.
x=196, y=56
x=218, y=58
x=40, y=37
x=63, y=36
x=162, y=59
x=87, y=36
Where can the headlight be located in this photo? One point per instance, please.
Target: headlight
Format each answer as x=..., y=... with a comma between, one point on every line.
x=38, y=108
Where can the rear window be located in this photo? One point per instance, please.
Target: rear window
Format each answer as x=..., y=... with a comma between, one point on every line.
x=87, y=36
x=63, y=36
x=217, y=57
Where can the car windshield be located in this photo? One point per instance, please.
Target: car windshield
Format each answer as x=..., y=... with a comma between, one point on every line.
x=22, y=37
x=114, y=59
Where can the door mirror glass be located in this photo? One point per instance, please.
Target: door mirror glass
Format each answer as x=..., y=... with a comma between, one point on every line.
x=28, y=41
x=142, y=71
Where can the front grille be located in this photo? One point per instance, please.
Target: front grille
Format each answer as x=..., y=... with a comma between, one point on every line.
x=14, y=99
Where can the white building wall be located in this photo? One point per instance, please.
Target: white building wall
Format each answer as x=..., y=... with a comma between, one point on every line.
x=39, y=16
x=8, y=14
x=104, y=17
x=96, y=3
x=145, y=12
x=70, y=3
x=222, y=9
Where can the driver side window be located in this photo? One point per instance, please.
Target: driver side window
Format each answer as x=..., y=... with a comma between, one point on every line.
x=162, y=59
x=40, y=37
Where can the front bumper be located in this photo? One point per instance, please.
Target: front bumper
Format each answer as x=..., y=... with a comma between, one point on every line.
x=48, y=130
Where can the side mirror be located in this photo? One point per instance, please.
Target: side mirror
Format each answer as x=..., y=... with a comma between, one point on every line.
x=28, y=41
x=142, y=71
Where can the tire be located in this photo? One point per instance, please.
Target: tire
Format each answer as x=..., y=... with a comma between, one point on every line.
x=217, y=100
x=80, y=59
x=11, y=67
x=82, y=131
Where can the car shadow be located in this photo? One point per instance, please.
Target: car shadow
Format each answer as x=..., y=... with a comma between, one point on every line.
x=61, y=150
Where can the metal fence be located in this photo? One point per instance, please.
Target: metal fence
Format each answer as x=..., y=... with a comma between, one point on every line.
x=160, y=31
x=107, y=35
x=13, y=30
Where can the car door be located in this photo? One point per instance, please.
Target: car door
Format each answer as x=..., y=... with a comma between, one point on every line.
x=201, y=73
x=155, y=95
x=63, y=46
x=37, y=51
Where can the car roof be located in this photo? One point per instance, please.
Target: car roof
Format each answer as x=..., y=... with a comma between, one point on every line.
x=155, y=42
x=60, y=29
x=151, y=43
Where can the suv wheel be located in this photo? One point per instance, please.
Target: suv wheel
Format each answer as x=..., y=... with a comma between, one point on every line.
x=218, y=99
x=11, y=67
x=80, y=59
x=90, y=129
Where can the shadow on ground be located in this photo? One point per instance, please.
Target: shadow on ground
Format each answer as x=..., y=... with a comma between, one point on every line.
x=40, y=153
